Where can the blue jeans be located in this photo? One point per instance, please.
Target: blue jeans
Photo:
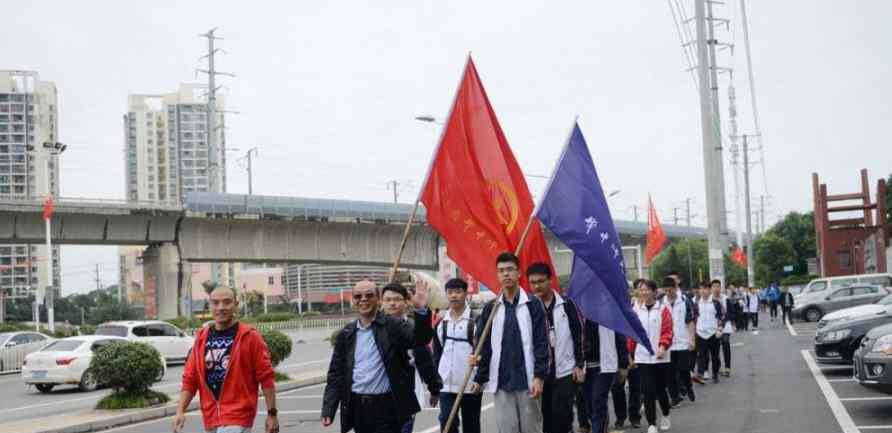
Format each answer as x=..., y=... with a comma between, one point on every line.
x=597, y=388
x=469, y=412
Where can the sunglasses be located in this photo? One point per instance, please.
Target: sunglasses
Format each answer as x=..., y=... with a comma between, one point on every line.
x=362, y=296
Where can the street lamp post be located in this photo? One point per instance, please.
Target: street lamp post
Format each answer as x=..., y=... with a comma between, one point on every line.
x=54, y=149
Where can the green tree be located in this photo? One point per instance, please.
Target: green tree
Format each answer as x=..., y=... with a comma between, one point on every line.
x=772, y=253
x=799, y=230
x=688, y=259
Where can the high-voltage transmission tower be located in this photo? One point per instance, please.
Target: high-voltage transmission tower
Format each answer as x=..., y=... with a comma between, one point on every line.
x=215, y=154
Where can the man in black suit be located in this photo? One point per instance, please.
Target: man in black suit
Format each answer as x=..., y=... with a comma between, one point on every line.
x=369, y=376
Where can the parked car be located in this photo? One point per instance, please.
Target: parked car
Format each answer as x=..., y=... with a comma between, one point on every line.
x=836, y=343
x=872, y=362
x=812, y=306
x=173, y=344
x=67, y=362
x=877, y=307
x=832, y=283
x=14, y=346
x=795, y=290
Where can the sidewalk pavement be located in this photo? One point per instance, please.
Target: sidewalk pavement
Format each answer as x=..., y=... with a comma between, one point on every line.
x=95, y=420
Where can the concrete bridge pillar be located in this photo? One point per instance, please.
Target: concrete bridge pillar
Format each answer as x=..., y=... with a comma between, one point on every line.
x=163, y=282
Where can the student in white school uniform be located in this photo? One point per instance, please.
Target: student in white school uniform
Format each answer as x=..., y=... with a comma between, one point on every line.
x=656, y=319
x=453, y=345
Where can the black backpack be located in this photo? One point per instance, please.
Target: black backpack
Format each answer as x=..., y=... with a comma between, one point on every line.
x=470, y=338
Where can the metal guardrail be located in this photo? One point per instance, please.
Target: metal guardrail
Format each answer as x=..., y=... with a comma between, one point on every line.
x=82, y=202
x=306, y=324
x=11, y=360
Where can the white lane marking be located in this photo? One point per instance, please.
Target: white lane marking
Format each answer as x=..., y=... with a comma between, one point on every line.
x=839, y=411
x=841, y=380
x=300, y=364
x=737, y=344
x=436, y=428
x=298, y=397
x=54, y=403
x=304, y=388
x=791, y=329
x=865, y=399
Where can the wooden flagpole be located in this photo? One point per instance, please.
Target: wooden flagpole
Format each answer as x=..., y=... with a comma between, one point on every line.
x=399, y=254
x=486, y=331
x=488, y=327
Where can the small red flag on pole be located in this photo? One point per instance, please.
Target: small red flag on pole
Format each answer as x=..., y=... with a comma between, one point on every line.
x=656, y=237
x=739, y=257
x=48, y=208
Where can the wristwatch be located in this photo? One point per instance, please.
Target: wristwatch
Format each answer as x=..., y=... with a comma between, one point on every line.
x=272, y=411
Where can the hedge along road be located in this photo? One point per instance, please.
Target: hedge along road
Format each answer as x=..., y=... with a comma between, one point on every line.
x=18, y=401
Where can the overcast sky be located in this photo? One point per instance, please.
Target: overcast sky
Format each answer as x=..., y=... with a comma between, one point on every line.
x=328, y=91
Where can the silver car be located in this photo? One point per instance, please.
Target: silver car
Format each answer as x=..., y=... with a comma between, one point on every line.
x=814, y=305
x=14, y=346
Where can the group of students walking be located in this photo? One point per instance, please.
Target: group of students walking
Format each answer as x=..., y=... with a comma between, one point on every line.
x=542, y=361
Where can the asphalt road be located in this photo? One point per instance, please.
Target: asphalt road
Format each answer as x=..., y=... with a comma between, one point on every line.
x=19, y=401
x=773, y=389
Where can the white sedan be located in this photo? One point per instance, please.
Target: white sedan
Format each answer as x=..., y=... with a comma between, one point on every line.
x=172, y=343
x=67, y=362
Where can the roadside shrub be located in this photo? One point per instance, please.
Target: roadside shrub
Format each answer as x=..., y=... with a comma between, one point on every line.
x=275, y=317
x=333, y=338
x=279, y=345
x=185, y=323
x=312, y=313
x=86, y=330
x=13, y=327
x=127, y=366
x=132, y=400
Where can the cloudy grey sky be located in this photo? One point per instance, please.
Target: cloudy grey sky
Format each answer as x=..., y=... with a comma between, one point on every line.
x=329, y=90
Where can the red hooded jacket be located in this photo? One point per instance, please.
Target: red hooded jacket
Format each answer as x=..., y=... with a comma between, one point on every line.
x=249, y=368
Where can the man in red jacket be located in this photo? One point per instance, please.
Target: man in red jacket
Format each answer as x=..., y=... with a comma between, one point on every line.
x=227, y=364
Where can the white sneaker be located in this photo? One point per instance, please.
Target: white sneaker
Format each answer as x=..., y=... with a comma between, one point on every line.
x=652, y=429
x=665, y=423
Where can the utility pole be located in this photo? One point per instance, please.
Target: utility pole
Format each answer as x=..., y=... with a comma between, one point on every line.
x=635, y=208
x=762, y=212
x=750, y=272
x=250, y=170
x=675, y=215
x=712, y=147
x=735, y=162
x=394, y=185
x=687, y=203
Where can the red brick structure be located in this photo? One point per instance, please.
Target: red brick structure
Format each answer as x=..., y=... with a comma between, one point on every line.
x=855, y=241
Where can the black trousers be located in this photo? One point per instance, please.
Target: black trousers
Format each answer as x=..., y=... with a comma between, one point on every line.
x=374, y=414
x=707, y=350
x=773, y=308
x=653, y=385
x=632, y=412
x=557, y=405
x=680, y=375
x=788, y=314
x=754, y=318
x=583, y=418
x=725, y=342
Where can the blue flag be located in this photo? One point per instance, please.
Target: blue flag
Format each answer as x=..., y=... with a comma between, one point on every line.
x=574, y=208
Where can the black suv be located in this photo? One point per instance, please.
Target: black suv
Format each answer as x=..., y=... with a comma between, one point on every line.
x=837, y=342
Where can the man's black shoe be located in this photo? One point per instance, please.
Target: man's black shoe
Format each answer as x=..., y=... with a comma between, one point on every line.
x=635, y=424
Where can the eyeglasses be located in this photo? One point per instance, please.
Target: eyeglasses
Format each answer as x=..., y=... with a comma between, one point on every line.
x=361, y=296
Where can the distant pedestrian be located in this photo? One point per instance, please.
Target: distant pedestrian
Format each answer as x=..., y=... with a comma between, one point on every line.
x=729, y=313
x=710, y=324
x=395, y=303
x=657, y=322
x=229, y=361
x=774, y=296
x=513, y=363
x=567, y=369
x=454, y=343
x=787, y=304
x=683, y=342
x=753, y=310
x=369, y=377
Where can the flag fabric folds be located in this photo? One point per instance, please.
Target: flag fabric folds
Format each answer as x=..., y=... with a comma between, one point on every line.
x=739, y=257
x=475, y=195
x=656, y=237
x=48, y=208
x=575, y=209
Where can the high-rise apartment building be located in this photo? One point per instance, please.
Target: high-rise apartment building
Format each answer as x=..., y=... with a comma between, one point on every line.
x=28, y=171
x=167, y=155
x=166, y=146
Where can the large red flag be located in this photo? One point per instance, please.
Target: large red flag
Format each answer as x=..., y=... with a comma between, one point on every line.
x=475, y=195
x=656, y=237
x=739, y=256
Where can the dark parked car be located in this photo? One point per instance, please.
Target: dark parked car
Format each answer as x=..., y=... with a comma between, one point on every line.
x=873, y=360
x=836, y=343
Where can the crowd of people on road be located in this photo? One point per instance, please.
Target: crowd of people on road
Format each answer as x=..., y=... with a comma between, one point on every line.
x=544, y=363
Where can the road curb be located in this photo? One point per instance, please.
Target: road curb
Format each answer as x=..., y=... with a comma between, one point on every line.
x=142, y=415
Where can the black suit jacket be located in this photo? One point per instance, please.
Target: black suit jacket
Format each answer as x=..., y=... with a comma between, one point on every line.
x=394, y=338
